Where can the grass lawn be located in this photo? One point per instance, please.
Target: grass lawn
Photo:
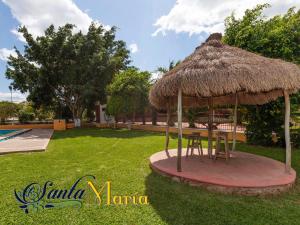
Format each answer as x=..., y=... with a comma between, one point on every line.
x=121, y=156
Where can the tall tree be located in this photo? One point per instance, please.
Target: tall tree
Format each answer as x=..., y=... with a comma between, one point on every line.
x=68, y=68
x=128, y=93
x=275, y=37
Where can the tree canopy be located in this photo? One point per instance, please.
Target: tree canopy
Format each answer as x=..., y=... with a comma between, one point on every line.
x=7, y=110
x=128, y=93
x=67, y=68
x=275, y=37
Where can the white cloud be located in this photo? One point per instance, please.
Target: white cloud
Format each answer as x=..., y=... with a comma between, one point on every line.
x=133, y=48
x=206, y=16
x=5, y=53
x=37, y=15
x=16, y=96
x=156, y=75
x=19, y=35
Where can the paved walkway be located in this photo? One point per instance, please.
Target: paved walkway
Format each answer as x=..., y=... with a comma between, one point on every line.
x=34, y=140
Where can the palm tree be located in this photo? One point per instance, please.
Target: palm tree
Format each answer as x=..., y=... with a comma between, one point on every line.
x=162, y=70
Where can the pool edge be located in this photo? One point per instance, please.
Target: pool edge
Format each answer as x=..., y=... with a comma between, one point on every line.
x=13, y=134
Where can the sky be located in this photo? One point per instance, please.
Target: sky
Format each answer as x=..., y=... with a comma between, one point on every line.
x=156, y=31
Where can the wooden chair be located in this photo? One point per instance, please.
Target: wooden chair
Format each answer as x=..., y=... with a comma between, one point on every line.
x=225, y=154
x=194, y=141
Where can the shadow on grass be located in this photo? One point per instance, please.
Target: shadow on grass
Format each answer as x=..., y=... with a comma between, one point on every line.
x=162, y=197
x=180, y=204
x=103, y=133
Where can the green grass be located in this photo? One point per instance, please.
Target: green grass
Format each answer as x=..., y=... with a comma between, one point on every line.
x=122, y=156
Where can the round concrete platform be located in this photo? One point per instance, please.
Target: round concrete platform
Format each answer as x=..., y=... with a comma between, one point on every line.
x=244, y=173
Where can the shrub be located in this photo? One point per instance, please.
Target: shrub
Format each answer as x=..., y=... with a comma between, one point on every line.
x=25, y=116
x=191, y=116
x=295, y=138
x=263, y=121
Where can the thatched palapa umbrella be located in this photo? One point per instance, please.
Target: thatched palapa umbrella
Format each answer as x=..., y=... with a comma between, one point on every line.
x=218, y=74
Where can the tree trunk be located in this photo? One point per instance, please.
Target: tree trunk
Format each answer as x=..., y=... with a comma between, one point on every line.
x=154, y=116
x=77, y=115
x=144, y=118
x=133, y=116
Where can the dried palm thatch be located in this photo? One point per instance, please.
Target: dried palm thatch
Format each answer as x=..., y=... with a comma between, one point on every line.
x=221, y=71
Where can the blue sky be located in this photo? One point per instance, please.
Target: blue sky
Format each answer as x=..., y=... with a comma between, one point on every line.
x=156, y=31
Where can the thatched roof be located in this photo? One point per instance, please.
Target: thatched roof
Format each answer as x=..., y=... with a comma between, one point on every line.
x=220, y=71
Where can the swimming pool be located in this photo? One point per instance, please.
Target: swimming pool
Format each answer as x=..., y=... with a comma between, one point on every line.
x=3, y=132
x=8, y=134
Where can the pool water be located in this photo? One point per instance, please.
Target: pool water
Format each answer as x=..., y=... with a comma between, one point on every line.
x=3, y=132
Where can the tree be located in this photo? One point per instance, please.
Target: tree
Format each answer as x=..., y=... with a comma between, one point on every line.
x=26, y=112
x=115, y=106
x=7, y=110
x=128, y=93
x=163, y=70
x=44, y=113
x=67, y=68
x=276, y=37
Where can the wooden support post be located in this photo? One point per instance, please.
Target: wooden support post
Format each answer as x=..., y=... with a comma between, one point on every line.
x=210, y=126
x=167, y=129
x=287, y=132
x=235, y=122
x=179, y=113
